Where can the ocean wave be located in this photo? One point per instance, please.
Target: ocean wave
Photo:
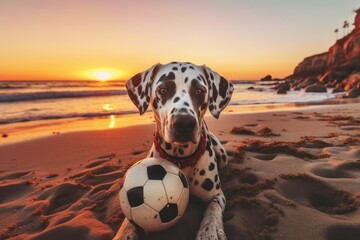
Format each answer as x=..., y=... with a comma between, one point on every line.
x=16, y=97
x=63, y=116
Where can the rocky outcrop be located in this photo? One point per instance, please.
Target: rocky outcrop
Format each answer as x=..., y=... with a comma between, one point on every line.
x=338, y=68
x=266, y=78
x=317, y=87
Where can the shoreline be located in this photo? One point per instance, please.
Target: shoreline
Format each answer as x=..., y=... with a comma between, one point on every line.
x=27, y=131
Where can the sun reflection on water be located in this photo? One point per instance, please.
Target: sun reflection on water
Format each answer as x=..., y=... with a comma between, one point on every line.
x=112, y=121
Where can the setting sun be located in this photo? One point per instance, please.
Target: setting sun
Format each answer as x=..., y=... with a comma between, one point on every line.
x=103, y=74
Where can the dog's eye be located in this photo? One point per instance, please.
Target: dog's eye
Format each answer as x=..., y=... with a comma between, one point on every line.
x=163, y=91
x=199, y=91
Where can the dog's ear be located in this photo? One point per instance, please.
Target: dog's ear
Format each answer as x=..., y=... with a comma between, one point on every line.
x=139, y=88
x=220, y=91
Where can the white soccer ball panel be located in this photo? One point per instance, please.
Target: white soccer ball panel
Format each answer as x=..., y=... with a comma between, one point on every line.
x=170, y=167
x=183, y=201
x=146, y=217
x=164, y=226
x=124, y=203
x=155, y=195
x=173, y=187
x=136, y=176
x=152, y=161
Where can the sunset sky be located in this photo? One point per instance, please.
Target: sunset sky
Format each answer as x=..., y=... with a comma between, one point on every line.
x=115, y=39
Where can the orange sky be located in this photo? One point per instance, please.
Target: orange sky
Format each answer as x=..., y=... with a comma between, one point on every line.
x=113, y=39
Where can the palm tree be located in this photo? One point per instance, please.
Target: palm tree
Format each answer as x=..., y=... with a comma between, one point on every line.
x=336, y=32
x=345, y=26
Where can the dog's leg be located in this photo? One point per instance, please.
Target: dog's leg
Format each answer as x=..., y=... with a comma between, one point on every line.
x=211, y=226
x=220, y=153
x=127, y=231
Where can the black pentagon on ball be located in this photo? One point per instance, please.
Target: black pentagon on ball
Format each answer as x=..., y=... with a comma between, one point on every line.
x=156, y=172
x=168, y=213
x=183, y=179
x=135, y=196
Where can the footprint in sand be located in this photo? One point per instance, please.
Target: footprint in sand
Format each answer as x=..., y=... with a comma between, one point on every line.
x=342, y=232
x=308, y=191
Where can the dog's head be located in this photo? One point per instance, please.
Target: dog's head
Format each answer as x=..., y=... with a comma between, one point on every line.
x=179, y=94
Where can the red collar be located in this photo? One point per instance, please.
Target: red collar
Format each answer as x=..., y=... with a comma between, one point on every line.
x=182, y=161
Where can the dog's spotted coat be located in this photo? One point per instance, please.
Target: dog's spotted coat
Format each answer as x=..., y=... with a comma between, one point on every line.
x=186, y=90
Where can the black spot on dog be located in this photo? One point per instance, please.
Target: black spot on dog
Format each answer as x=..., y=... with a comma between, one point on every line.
x=215, y=93
x=208, y=148
x=142, y=95
x=183, y=69
x=192, y=111
x=223, y=103
x=191, y=67
x=216, y=178
x=173, y=110
x=217, y=186
x=202, y=172
x=211, y=166
x=211, y=107
x=203, y=79
x=176, y=99
x=223, y=86
x=223, y=157
x=207, y=184
x=146, y=73
x=145, y=106
x=170, y=76
x=152, y=154
x=186, y=104
x=133, y=97
x=181, y=152
x=136, y=80
x=186, y=79
x=139, y=89
x=211, y=76
x=147, y=99
x=214, y=143
x=196, y=182
x=167, y=146
x=175, y=68
x=155, y=103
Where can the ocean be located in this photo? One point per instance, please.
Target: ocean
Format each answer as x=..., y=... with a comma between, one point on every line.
x=26, y=101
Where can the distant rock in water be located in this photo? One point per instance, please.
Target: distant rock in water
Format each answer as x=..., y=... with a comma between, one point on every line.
x=266, y=78
x=337, y=68
x=282, y=88
x=317, y=87
x=353, y=93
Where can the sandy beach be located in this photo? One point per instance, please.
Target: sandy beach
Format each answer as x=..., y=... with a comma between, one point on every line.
x=292, y=175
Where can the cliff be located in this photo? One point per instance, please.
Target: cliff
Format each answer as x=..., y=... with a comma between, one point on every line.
x=337, y=68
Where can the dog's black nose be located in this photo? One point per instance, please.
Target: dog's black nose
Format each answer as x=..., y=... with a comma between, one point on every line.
x=183, y=124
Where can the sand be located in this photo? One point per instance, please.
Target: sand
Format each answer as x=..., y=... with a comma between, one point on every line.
x=292, y=175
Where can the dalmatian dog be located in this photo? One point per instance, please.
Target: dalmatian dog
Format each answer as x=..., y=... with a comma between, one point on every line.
x=179, y=94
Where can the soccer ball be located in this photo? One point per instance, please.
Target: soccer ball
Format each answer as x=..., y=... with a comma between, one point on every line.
x=154, y=195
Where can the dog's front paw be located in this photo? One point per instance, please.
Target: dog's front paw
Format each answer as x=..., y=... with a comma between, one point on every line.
x=127, y=231
x=211, y=229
